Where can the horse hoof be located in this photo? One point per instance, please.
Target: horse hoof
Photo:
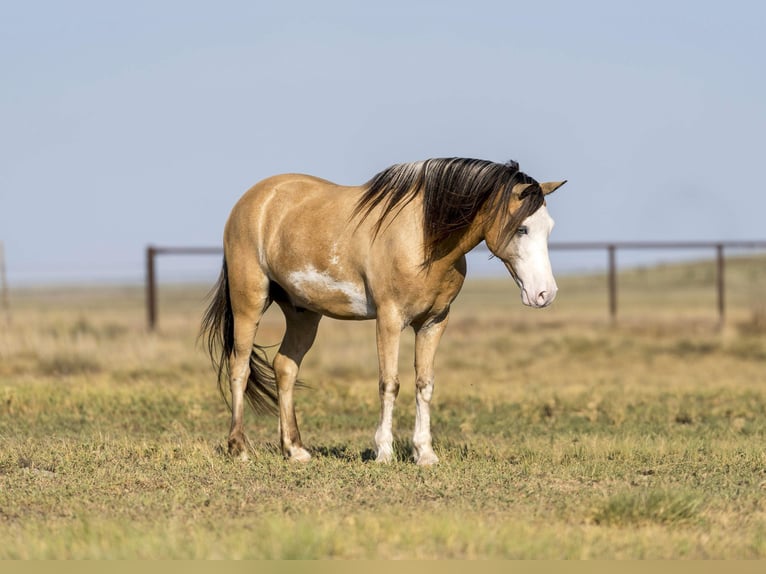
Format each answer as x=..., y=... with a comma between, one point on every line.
x=427, y=459
x=240, y=455
x=299, y=455
x=238, y=450
x=384, y=457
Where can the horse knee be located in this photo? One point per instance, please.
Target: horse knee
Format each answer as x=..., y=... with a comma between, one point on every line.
x=285, y=369
x=424, y=387
x=389, y=387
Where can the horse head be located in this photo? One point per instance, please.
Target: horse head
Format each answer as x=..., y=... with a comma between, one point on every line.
x=523, y=248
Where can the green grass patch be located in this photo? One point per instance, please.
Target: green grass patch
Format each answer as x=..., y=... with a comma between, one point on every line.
x=648, y=506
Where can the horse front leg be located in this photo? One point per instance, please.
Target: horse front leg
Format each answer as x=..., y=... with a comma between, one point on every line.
x=427, y=338
x=388, y=330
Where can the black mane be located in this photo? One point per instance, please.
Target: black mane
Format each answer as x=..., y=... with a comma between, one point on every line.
x=454, y=191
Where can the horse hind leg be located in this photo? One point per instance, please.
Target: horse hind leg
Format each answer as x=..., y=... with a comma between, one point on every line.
x=247, y=309
x=301, y=329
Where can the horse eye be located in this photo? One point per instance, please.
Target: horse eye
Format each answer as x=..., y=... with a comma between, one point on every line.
x=523, y=230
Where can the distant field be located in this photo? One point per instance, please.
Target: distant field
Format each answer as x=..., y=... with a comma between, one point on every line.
x=560, y=435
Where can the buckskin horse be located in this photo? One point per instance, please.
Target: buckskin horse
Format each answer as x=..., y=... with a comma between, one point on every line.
x=392, y=250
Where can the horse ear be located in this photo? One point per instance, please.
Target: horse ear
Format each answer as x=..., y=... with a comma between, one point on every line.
x=551, y=186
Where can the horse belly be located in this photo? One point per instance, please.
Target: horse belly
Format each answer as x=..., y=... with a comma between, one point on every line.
x=325, y=293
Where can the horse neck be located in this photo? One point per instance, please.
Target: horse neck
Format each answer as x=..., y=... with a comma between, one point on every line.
x=454, y=248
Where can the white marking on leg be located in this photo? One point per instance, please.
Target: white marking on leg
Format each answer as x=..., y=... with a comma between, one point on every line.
x=384, y=435
x=426, y=341
x=421, y=438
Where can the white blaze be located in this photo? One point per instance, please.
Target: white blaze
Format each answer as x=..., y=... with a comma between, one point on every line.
x=529, y=263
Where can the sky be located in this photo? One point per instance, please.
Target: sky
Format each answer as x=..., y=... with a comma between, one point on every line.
x=124, y=124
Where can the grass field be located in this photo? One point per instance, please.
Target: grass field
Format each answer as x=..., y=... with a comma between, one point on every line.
x=560, y=435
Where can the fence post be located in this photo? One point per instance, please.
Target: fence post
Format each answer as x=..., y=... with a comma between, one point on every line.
x=611, y=249
x=4, y=286
x=720, y=283
x=151, y=288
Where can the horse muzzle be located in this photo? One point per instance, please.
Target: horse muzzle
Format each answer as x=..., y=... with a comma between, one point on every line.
x=538, y=298
x=539, y=294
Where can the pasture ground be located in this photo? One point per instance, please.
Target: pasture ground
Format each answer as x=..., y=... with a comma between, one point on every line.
x=560, y=435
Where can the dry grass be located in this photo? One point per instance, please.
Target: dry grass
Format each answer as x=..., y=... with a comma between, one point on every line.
x=560, y=435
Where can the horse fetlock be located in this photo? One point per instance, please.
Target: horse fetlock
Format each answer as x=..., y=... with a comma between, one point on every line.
x=384, y=442
x=422, y=449
x=292, y=448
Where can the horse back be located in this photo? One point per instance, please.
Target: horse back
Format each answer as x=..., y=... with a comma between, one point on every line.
x=303, y=233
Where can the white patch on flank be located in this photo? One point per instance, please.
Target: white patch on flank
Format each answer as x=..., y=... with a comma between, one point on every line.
x=310, y=279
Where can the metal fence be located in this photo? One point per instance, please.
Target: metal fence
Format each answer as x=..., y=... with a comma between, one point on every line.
x=718, y=248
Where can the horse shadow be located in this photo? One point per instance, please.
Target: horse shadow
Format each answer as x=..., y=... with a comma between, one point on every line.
x=403, y=449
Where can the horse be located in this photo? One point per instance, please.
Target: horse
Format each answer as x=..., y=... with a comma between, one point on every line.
x=392, y=250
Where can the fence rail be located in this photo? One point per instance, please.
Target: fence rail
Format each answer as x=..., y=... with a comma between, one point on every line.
x=611, y=248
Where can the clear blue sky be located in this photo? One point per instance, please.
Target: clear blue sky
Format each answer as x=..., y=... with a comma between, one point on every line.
x=129, y=123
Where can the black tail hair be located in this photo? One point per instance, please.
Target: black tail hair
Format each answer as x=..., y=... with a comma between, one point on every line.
x=218, y=331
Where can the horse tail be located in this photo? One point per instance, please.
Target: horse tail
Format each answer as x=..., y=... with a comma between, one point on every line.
x=218, y=332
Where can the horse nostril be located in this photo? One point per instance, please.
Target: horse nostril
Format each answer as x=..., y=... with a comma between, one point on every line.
x=541, y=297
